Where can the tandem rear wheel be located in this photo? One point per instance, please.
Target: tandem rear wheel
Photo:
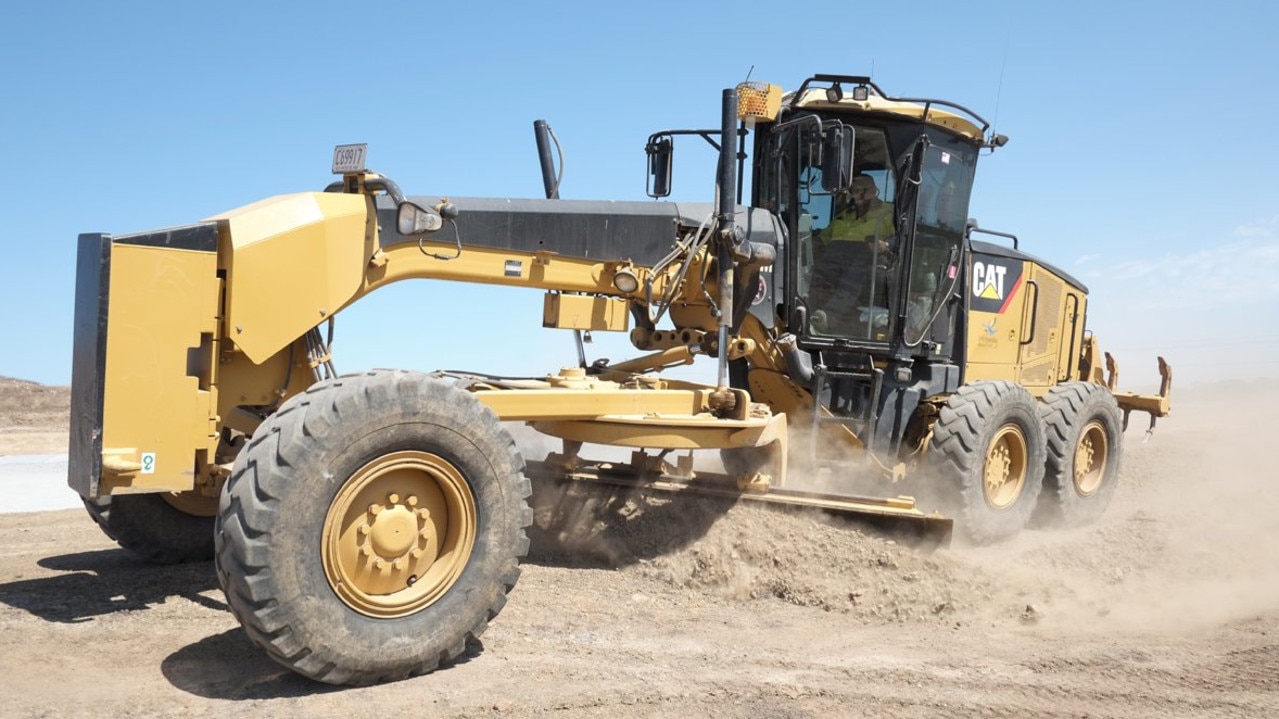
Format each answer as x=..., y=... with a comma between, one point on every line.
x=1085, y=444
x=988, y=454
x=372, y=527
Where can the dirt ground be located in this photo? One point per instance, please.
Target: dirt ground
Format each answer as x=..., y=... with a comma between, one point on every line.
x=1169, y=607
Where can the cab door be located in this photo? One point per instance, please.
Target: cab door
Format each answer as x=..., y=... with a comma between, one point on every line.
x=1051, y=342
x=1041, y=339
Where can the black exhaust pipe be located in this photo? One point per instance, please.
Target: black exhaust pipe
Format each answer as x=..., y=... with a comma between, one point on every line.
x=542, y=132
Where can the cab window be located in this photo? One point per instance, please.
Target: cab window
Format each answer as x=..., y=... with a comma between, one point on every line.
x=941, y=214
x=846, y=242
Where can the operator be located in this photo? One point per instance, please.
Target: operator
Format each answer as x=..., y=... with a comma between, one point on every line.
x=851, y=258
x=865, y=219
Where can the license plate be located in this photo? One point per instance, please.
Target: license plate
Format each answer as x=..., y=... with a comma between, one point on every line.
x=349, y=158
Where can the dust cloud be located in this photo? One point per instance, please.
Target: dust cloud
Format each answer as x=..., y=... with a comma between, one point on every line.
x=1191, y=539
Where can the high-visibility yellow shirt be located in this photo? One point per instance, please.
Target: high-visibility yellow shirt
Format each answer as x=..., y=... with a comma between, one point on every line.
x=876, y=224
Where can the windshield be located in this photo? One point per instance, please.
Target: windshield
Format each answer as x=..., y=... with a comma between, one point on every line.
x=850, y=273
x=945, y=183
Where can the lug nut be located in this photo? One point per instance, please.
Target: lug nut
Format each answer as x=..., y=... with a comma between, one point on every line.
x=393, y=498
x=412, y=500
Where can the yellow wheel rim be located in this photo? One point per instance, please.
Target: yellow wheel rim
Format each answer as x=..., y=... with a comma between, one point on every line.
x=1091, y=455
x=1005, y=470
x=398, y=534
x=194, y=503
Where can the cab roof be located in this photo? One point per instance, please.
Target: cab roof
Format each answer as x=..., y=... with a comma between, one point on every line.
x=946, y=115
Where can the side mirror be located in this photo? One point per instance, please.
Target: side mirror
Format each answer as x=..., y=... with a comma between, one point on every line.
x=799, y=320
x=661, y=153
x=837, y=158
x=411, y=219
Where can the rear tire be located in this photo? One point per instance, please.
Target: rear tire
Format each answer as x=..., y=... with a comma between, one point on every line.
x=372, y=527
x=152, y=526
x=1085, y=446
x=988, y=451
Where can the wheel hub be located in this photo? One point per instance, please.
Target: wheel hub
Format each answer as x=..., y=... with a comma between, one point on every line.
x=392, y=532
x=1005, y=469
x=1091, y=455
x=399, y=533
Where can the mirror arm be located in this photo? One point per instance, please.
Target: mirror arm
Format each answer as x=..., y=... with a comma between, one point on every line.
x=388, y=186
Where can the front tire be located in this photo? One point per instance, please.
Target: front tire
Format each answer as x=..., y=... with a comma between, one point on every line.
x=161, y=528
x=1085, y=446
x=372, y=527
x=988, y=453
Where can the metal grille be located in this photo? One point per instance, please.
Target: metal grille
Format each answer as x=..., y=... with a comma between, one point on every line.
x=1047, y=316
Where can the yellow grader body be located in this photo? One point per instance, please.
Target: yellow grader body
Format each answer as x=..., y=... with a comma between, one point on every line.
x=366, y=525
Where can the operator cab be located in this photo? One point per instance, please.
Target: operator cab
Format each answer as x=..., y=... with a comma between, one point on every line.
x=872, y=262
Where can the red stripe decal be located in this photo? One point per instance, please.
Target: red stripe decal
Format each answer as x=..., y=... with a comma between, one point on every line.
x=1009, y=297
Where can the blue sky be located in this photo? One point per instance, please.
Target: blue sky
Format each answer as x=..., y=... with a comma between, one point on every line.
x=1140, y=157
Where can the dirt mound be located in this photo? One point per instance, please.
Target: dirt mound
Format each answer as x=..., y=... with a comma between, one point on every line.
x=33, y=417
x=29, y=404
x=808, y=559
x=736, y=551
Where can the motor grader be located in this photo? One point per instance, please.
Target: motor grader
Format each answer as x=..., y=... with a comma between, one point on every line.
x=365, y=526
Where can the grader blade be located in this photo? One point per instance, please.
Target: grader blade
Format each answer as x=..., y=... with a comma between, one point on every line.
x=896, y=516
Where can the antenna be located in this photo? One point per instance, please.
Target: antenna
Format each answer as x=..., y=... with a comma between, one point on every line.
x=748, y=74
x=999, y=89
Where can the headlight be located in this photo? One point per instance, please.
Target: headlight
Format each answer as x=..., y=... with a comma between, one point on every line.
x=625, y=280
x=414, y=220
